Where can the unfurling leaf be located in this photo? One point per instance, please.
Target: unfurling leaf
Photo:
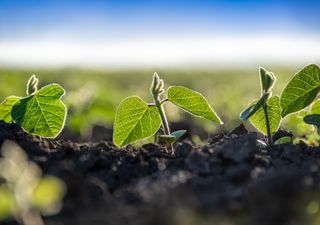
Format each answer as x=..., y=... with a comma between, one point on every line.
x=254, y=107
x=41, y=113
x=6, y=107
x=301, y=90
x=258, y=119
x=135, y=120
x=32, y=85
x=267, y=80
x=193, y=102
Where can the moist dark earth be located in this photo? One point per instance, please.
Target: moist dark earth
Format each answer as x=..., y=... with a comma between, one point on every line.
x=229, y=181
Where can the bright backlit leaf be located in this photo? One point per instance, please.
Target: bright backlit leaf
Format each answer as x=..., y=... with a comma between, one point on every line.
x=41, y=113
x=135, y=120
x=301, y=90
x=6, y=107
x=193, y=102
x=258, y=119
x=254, y=107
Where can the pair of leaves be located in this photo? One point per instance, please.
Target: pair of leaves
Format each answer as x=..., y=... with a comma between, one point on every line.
x=299, y=93
x=41, y=113
x=137, y=120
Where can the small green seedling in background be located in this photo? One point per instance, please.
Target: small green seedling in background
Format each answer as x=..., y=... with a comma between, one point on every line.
x=136, y=119
x=41, y=112
x=24, y=193
x=264, y=113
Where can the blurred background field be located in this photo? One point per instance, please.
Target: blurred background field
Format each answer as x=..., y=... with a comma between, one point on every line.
x=104, y=51
x=93, y=94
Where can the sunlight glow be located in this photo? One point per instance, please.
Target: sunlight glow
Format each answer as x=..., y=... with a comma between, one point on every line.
x=213, y=51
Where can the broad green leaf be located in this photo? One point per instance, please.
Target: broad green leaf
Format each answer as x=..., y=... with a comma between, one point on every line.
x=267, y=80
x=254, y=107
x=301, y=90
x=193, y=102
x=135, y=120
x=315, y=108
x=258, y=119
x=41, y=113
x=6, y=107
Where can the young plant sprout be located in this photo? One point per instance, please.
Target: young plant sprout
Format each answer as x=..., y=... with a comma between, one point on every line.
x=24, y=193
x=136, y=119
x=41, y=112
x=264, y=113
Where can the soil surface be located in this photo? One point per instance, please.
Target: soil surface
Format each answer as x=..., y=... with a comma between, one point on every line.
x=229, y=181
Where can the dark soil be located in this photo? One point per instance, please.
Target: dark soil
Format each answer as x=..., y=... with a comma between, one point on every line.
x=228, y=181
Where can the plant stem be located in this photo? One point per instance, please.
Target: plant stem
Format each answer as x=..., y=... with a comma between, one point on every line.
x=164, y=121
x=266, y=114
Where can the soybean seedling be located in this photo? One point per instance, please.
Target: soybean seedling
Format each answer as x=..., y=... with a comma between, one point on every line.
x=41, y=112
x=301, y=91
x=136, y=119
x=24, y=193
x=264, y=113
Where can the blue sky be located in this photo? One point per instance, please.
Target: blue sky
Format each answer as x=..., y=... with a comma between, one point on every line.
x=121, y=18
x=39, y=23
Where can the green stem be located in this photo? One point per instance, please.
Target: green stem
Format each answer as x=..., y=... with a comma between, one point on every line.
x=266, y=114
x=164, y=121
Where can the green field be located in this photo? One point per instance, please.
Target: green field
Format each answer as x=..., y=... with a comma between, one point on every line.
x=93, y=94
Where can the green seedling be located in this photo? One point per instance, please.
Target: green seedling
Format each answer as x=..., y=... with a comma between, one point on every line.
x=41, y=112
x=24, y=193
x=264, y=113
x=136, y=119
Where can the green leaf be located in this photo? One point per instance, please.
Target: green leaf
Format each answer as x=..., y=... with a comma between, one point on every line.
x=283, y=140
x=301, y=90
x=178, y=134
x=254, y=107
x=41, y=113
x=193, y=102
x=135, y=120
x=6, y=107
x=267, y=80
x=313, y=119
x=258, y=119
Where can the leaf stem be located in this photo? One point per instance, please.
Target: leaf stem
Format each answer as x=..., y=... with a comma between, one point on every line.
x=266, y=114
x=164, y=121
x=163, y=101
